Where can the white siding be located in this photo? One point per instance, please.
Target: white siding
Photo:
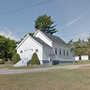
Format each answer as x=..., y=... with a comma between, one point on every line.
x=47, y=51
x=62, y=56
x=44, y=38
x=28, y=47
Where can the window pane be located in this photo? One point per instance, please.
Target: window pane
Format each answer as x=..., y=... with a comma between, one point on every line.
x=64, y=52
x=56, y=51
x=67, y=53
x=60, y=52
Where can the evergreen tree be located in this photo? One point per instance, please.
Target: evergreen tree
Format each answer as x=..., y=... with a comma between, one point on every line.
x=45, y=24
x=34, y=60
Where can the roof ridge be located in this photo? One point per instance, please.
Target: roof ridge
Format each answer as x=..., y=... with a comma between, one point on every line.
x=54, y=38
x=40, y=41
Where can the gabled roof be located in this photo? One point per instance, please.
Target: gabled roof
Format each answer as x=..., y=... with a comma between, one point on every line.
x=24, y=39
x=54, y=38
x=40, y=41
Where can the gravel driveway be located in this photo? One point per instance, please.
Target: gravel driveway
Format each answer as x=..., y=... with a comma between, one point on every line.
x=17, y=71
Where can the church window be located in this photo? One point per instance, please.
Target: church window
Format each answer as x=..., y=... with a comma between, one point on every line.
x=67, y=53
x=21, y=51
x=36, y=50
x=56, y=51
x=64, y=52
x=60, y=52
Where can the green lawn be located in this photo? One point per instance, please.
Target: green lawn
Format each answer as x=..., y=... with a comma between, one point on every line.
x=51, y=80
x=10, y=66
x=82, y=62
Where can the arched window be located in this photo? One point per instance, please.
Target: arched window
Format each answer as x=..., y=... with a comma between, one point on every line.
x=64, y=52
x=67, y=53
x=21, y=51
x=60, y=52
x=56, y=51
x=36, y=50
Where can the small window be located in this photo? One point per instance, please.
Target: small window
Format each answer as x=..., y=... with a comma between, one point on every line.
x=21, y=51
x=64, y=52
x=60, y=52
x=36, y=50
x=56, y=51
x=67, y=53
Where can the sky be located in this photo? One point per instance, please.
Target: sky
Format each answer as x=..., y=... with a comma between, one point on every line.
x=72, y=17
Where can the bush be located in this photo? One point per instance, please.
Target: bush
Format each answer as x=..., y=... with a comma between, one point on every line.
x=16, y=58
x=82, y=62
x=2, y=61
x=35, y=60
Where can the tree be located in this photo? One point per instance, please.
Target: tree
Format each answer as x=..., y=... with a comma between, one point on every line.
x=7, y=48
x=45, y=24
x=89, y=41
x=31, y=34
x=3, y=47
x=11, y=45
x=16, y=58
x=34, y=60
x=70, y=42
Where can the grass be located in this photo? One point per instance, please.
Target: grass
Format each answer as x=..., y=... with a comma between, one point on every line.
x=82, y=62
x=50, y=80
x=76, y=79
x=9, y=65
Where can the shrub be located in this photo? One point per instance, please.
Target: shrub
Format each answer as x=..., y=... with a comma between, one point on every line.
x=35, y=60
x=2, y=61
x=16, y=58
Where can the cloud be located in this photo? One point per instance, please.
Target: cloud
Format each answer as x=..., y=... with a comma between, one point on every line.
x=71, y=22
x=4, y=31
x=82, y=36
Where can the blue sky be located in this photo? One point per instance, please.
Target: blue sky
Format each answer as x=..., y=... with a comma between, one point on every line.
x=72, y=17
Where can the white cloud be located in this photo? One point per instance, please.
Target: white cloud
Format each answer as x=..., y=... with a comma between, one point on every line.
x=73, y=21
x=8, y=33
x=82, y=36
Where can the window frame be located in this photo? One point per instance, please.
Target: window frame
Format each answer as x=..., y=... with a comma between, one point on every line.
x=67, y=53
x=60, y=51
x=64, y=52
x=56, y=51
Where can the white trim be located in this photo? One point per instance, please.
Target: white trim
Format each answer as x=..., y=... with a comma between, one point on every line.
x=25, y=38
x=22, y=41
x=36, y=41
x=36, y=31
x=43, y=34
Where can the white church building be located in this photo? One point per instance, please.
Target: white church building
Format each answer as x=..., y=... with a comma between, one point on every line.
x=50, y=49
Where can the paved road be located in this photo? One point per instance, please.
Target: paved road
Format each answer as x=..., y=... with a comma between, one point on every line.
x=17, y=71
